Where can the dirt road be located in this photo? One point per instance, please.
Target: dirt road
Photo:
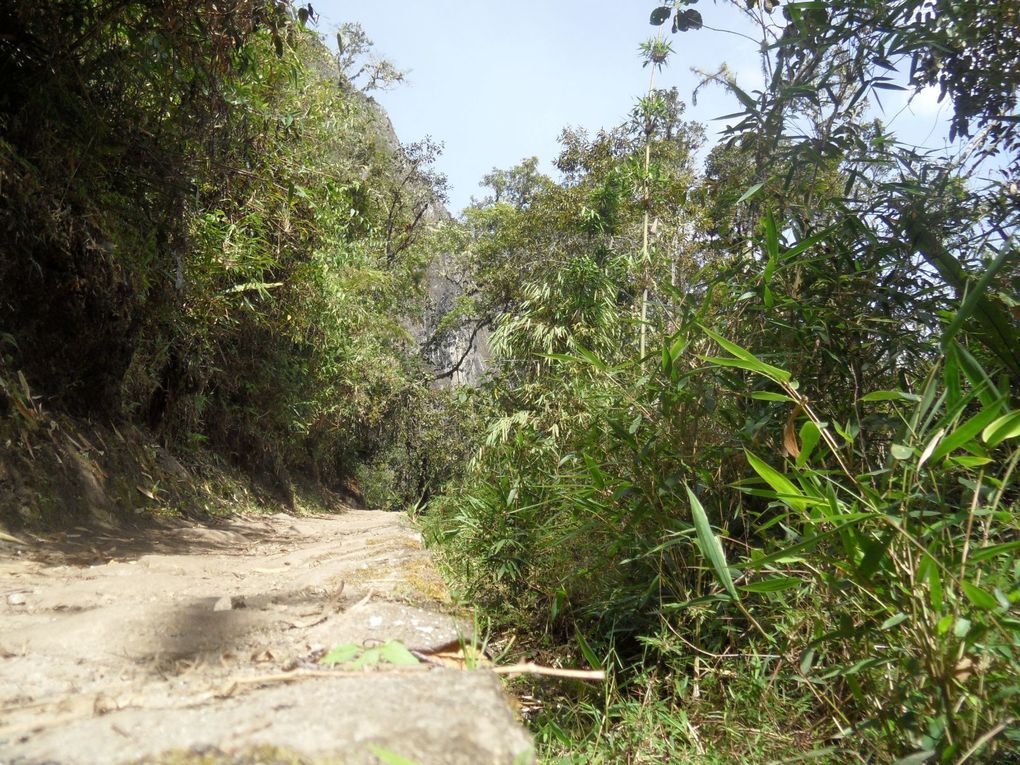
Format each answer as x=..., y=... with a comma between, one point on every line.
x=190, y=643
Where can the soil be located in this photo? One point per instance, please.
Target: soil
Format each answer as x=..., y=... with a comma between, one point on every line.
x=203, y=643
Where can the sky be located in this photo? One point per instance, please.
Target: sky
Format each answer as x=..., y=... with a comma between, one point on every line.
x=496, y=82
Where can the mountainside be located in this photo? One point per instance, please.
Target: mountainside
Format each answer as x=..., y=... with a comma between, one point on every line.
x=244, y=269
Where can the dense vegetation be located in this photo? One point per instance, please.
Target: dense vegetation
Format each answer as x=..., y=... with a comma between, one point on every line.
x=209, y=231
x=751, y=432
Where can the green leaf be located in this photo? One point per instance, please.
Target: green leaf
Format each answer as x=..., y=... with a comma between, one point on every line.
x=916, y=758
x=396, y=653
x=771, y=241
x=984, y=553
x=901, y=452
x=342, y=654
x=597, y=477
x=710, y=545
x=890, y=395
x=775, y=584
x=806, y=243
x=370, y=657
x=968, y=431
x=979, y=597
x=783, y=486
x=810, y=435
x=764, y=395
x=751, y=362
x=751, y=191
x=586, y=651
x=892, y=621
x=1002, y=429
x=970, y=461
x=961, y=627
x=930, y=447
x=975, y=294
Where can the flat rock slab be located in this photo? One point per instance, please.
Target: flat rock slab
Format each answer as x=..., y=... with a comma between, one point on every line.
x=202, y=644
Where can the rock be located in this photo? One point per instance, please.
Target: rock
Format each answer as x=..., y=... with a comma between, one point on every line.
x=16, y=599
x=229, y=603
x=226, y=603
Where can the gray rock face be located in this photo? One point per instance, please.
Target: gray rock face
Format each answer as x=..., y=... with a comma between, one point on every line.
x=458, y=351
x=456, y=347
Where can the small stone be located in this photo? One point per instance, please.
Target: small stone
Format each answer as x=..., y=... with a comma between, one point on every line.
x=226, y=603
x=16, y=599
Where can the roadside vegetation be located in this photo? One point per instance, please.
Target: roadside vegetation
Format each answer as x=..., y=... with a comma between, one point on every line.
x=753, y=427
x=210, y=233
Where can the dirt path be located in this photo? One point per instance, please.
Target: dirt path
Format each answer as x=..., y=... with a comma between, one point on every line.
x=202, y=644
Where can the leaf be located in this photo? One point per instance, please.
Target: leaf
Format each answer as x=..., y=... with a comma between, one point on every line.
x=766, y=395
x=984, y=553
x=771, y=238
x=710, y=545
x=901, y=452
x=396, y=653
x=890, y=395
x=810, y=435
x=8, y=538
x=252, y=287
x=975, y=295
x=892, y=621
x=916, y=758
x=751, y=191
x=685, y=20
x=586, y=651
x=775, y=584
x=961, y=627
x=597, y=476
x=930, y=447
x=790, y=433
x=1002, y=429
x=342, y=654
x=979, y=597
x=807, y=243
x=784, y=488
x=964, y=433
x=660, y=16
x=751, y=362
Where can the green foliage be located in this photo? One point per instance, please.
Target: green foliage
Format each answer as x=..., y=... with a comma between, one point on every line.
x=233, y=256
x=753, y=436
x=392, y=652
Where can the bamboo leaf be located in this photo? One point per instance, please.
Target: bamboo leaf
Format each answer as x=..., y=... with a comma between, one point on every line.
x=755, y=188
x=979, y=597
x=785, y=490
x=751, y=361
x=775, y=584
x=1002, y=429
x=710, y=545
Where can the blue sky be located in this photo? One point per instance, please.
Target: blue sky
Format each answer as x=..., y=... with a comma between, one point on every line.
x=496, y=82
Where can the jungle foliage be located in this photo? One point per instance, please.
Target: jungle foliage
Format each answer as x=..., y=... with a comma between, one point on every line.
x=209, y=231
x=754, y=431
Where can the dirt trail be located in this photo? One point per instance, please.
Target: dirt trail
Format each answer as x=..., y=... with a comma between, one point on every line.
x=190, y=643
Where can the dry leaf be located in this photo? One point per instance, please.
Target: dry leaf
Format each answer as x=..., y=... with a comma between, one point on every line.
x=790, y=444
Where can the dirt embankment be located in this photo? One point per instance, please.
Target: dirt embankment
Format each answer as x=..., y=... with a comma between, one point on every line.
x=204, y=643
